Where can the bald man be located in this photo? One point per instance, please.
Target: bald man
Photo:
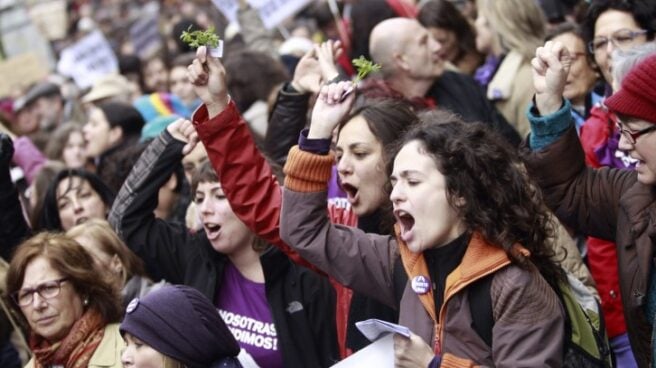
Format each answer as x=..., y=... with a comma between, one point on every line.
x=412, y=65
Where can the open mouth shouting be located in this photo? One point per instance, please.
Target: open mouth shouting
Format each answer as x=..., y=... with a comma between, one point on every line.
x=406, y=223
x=212, y=230
x=351, y=193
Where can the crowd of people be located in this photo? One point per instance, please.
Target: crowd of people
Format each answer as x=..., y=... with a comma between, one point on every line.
x=491, y=188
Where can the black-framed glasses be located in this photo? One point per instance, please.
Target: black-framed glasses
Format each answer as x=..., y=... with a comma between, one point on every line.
x=620, y=39
x=46, y=290
x=630, y=135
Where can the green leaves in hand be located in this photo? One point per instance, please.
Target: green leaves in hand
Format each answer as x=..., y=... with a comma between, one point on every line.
x=364, y=67
x=199, y=38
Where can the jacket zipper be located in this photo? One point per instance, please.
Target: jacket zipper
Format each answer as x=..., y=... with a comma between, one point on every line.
x=455, y=290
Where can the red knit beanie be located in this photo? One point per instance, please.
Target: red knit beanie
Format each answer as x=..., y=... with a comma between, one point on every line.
x=637, y=96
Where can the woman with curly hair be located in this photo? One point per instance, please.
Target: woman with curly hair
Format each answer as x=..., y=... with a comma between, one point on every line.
x=467, y=218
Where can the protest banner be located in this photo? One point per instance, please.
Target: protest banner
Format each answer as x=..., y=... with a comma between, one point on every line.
x=87, y=60
x=19, y=35
x=19, y=72
x=228, y=8
x=272, y=12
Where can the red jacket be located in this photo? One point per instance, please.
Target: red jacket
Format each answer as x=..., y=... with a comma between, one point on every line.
x=255, y=195
x=602, y=255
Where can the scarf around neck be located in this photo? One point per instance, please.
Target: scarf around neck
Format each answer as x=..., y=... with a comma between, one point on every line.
x=76, y=348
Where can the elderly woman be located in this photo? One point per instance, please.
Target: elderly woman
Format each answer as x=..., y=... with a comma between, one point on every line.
x=607, y=203
x=71, y=310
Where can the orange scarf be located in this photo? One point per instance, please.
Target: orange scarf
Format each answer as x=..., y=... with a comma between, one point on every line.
x=74, y=350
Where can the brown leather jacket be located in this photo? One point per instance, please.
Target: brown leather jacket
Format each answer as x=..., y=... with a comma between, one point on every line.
x=609, y=204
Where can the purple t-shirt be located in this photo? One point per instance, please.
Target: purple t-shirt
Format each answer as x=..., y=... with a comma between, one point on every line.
x=243, y=306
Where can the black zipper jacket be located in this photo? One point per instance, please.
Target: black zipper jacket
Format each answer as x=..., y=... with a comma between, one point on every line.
x=301, y=302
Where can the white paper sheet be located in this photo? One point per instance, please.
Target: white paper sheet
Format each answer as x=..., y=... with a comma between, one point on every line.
x=373, y=328
x=379, y=354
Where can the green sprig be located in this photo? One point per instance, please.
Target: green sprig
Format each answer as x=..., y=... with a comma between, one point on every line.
x=364, y=67
x=200, y=38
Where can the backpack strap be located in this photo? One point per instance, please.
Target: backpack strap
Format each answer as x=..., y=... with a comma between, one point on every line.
x=480, y=307
x=585, y=336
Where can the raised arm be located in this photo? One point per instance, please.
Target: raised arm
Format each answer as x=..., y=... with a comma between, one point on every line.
x=289, y=113
x=161, y=245
x=364, y=262
x=246, y=177
x=581, y=197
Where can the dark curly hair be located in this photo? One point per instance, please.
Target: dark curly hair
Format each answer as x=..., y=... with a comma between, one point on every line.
x=500, y=201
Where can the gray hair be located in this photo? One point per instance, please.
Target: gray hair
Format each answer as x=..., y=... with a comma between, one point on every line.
x=624, y=61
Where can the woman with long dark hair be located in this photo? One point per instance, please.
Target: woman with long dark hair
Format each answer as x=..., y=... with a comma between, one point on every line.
x=466, y=214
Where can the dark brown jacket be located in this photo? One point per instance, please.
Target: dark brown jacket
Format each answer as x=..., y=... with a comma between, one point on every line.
x=609, y=204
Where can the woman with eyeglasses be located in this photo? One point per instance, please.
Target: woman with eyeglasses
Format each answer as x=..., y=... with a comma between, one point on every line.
x=71, y=309
x=609, y=203
x=611, y=25
x=610, y=29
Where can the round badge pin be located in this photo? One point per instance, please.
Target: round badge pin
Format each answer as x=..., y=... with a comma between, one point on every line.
x=134, y=303
x=420, y=284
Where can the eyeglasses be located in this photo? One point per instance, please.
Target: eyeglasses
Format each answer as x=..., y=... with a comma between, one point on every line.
x=46, y=290
x=630, y=135
x=620, y=39
x=576, y=55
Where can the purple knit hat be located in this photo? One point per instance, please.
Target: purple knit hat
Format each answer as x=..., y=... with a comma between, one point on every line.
x=637, y=96
x=180, y=322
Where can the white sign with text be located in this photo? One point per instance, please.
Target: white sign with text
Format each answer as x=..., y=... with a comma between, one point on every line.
x=272, y=12
x=87, y=60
